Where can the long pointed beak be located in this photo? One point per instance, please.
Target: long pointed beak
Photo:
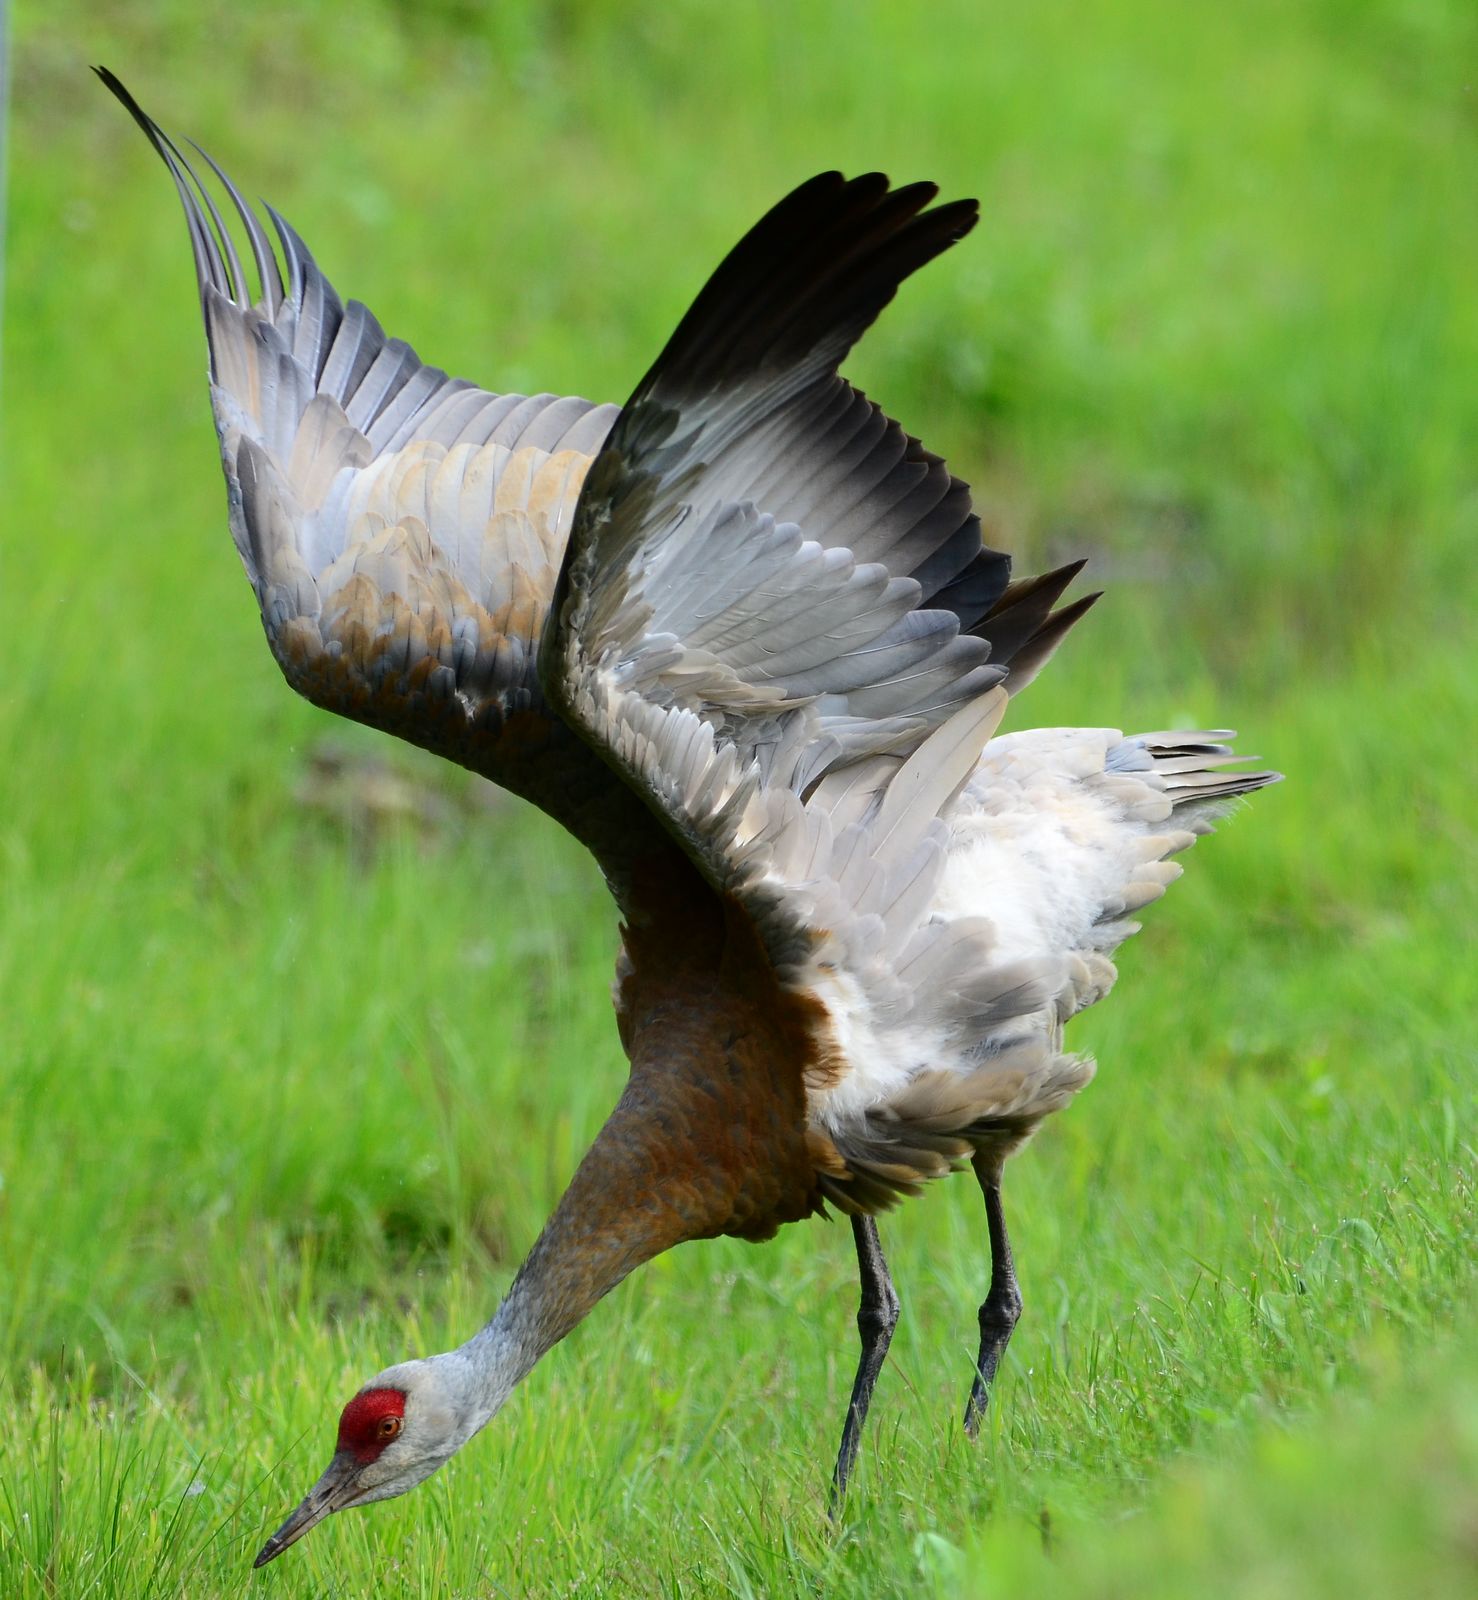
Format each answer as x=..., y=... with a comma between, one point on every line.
x=337, y=1488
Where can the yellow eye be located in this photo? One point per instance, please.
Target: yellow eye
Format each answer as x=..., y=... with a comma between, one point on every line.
x=389, y=1427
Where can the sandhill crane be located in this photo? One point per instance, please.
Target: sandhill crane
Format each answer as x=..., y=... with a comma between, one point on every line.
x=741, y=637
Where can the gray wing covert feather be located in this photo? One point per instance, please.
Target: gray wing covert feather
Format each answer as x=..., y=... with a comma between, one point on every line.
x=771, y=613
x=402, y=529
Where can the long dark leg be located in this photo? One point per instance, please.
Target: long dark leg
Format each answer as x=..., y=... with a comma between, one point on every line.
x=1002, y=1306
x=877, y=1316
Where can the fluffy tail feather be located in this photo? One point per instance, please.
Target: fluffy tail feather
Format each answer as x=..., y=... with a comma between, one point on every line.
x=1193, y=769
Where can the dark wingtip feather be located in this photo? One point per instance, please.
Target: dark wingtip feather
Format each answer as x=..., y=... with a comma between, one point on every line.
x=1019, y=609
x=1028, y=659
x=218, y=264
x=807, y=279
x=976, y=591
x=151, y=129
x=1018, y=618
x=210, y=265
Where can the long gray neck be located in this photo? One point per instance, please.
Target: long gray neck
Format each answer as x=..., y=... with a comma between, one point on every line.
x=497, y=1358
x=708, y=1136
x=621, y=1209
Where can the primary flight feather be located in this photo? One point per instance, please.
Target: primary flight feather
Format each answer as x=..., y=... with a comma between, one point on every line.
x=742, y=638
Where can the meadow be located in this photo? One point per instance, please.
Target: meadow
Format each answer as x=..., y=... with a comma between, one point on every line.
x=301, y=1035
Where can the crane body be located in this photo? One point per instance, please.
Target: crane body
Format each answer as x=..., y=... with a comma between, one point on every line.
x=741, y=637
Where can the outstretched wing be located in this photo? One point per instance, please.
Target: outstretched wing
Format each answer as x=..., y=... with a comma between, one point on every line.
x=402, y=529
x=776, y=618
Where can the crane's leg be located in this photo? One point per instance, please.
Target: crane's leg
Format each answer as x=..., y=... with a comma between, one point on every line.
x=877, y=1316
x=1002, y=1305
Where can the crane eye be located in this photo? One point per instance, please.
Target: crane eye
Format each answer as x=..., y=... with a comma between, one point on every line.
x=389, y=1427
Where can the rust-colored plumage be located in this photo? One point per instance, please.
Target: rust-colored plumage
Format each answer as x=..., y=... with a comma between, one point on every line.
x=742, y=638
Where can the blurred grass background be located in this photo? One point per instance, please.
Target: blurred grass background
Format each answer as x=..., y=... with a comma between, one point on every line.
x=301, y=1041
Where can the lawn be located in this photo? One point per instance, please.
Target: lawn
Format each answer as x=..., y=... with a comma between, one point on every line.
x=303, y=1034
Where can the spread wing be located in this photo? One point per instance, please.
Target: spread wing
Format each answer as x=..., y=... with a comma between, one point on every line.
x=402, y=529
x=777, y=621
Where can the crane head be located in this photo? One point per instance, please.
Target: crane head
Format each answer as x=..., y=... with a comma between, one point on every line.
x=393, y=1434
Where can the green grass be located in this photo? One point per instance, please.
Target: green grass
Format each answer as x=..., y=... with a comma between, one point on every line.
x=286, y=1094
